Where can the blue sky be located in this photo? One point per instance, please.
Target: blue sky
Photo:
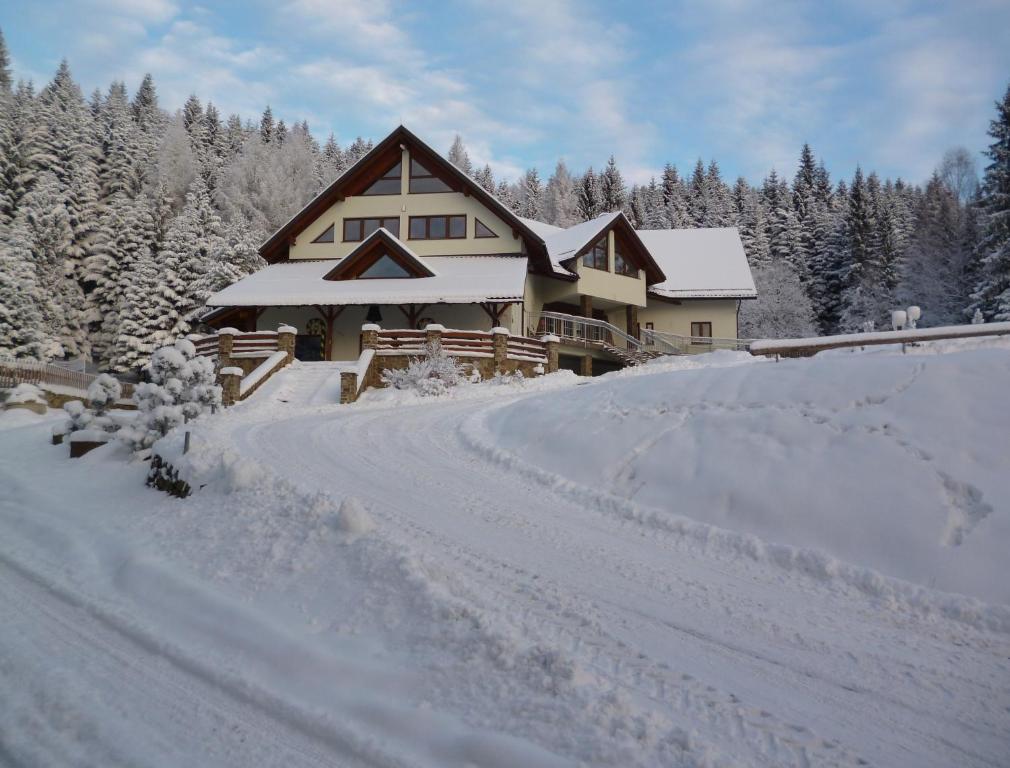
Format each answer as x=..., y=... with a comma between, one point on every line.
x=885, y=83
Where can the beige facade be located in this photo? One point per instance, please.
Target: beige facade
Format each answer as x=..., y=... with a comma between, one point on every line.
x=677, y=317
x=403, y=206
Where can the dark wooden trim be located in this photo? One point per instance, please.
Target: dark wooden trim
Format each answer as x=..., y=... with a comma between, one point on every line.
x=329, y=314
x=495, y=310
x=412, y=312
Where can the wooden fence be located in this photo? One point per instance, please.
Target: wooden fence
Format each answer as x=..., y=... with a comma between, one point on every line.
x=461, y=343
x=14, y=372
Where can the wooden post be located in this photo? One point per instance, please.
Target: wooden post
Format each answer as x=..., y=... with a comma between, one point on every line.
x=500, y=341
x=631, y=321
x=587, y=365
x=329, y=314
x=552, y=343
x=586, y=305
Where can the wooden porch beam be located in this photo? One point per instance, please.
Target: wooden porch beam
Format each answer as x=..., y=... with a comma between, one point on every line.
x=329, y=314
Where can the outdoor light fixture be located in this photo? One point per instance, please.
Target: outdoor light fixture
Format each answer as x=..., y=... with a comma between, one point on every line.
x=374, y=315
x=914, y=313
x=898, y=319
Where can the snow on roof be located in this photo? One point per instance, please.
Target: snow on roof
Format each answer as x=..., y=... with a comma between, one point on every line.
x=562, y=244
x=457, y=280
x=700, y=263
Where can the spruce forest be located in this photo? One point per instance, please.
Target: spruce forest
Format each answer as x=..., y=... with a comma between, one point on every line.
x=118, y=219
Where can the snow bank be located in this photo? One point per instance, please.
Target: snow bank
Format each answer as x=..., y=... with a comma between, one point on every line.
x=845, y=468
x=353, y=518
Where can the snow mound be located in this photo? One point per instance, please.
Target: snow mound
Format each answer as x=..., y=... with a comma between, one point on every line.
x=353, y=518
x=854, y=468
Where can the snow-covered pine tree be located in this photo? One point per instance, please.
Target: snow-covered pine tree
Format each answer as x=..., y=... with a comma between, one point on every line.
x=937, y=271
x=992, y=292
x=655, y=213
x=120, y=160
x=506, y=194
x=719, y=208
x=560, y=198
x=781, y=223
x=176, y=163
x=458, y=156
x=485, y=178
x=531, y=203
x=613, y=193
x=865, y=297
x=782, y=308
x=235, y=136
x=21, y=325
x=358, y=149
x=750, y=219
x=267, y=126
x=5, y=66
x=697, y=200
x=675, y=198
x=589, y=204
x=330, y=163
x=281, y=133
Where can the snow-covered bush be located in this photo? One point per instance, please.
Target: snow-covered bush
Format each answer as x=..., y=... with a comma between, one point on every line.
x=432, y=374
x=180, y=389
x=24, y=394
x=515, y=379
x=102, y=394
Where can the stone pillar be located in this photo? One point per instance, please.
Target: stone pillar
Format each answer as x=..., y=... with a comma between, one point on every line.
x=370, y=336
x=500, y=342
x=433, y=332
x=587, y=365
x=286, y=342
x=631, y=321
x=348, y=386
x=231, y=380
x=552, y=343
x=225, y=342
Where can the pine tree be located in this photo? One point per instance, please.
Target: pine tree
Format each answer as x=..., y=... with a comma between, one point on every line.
x=280, y=133
x=992, y=293
x=751, y=222
x=560, y=198
x=145, y=108
x=358, y=149
x=697, y=200
x=506, y=195
x=486, y=179
x=531, y=204
x=613, y=193
x=21, y=324
x=5, y=66
x=719, y=210
x=589, y=204
x=655, y=214
x=458, y=156
x=235, y=136
x=675, y=198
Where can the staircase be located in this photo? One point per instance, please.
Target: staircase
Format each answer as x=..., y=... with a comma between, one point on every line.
x=631, y=356
x=599, y=334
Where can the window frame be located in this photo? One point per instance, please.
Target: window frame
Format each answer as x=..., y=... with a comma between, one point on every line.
x=361, y=221
x=331, y=231
x=591, y=253
x=700, y=325
x=650, y=339
x=427, y=175
x=427, y=226
x=630, y=269
x=385, y=255
x=386, y=177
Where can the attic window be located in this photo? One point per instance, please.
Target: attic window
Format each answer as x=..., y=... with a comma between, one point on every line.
x=596, y=257
x=481, y=229
x=388, y=183
x=327, y=236
x=385, y=267
x=422, y=180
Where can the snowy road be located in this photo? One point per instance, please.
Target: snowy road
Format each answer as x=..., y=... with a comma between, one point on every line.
x=762, y=665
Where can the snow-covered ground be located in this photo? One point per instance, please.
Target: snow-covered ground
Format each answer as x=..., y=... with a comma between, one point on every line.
x=714, y=561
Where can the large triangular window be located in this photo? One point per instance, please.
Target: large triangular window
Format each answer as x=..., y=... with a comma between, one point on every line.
x=422, y=180
x=388, y=183
x=385, y=267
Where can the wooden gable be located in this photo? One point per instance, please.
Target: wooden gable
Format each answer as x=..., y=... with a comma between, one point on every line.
x=376, y=247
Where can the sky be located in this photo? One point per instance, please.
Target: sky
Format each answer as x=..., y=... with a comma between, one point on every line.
x=887, y=84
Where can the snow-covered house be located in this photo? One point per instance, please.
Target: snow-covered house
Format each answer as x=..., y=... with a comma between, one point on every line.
x=403, y=238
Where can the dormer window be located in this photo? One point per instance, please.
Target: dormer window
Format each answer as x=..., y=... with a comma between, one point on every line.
x=422, y=180
x=596, y=257
x=388, y=183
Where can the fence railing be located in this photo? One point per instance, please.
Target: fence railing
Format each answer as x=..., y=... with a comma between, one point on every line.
x=14, y=372
x=584, y=331
x=683, y=345
x=254, y=344
x=467, y=343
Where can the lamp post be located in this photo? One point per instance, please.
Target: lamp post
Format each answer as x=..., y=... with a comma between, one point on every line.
x=898, y=319
x=914, y=313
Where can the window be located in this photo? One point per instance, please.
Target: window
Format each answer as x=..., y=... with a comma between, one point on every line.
x=388, y=184
x=422, y=180
x=327, y=236
x=386, y=267
x=649, y=338
x=596, y=257
x=358, y=229
x=437, y=227
x=621, y=265
x=700, y=332
x=481, y=229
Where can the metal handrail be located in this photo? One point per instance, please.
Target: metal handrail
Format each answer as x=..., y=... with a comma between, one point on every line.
x=587, y=330
x=683, y=343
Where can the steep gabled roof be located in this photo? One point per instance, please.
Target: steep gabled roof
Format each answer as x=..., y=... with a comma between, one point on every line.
x=380, y=240
x=381, y=155
x=565, y=244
